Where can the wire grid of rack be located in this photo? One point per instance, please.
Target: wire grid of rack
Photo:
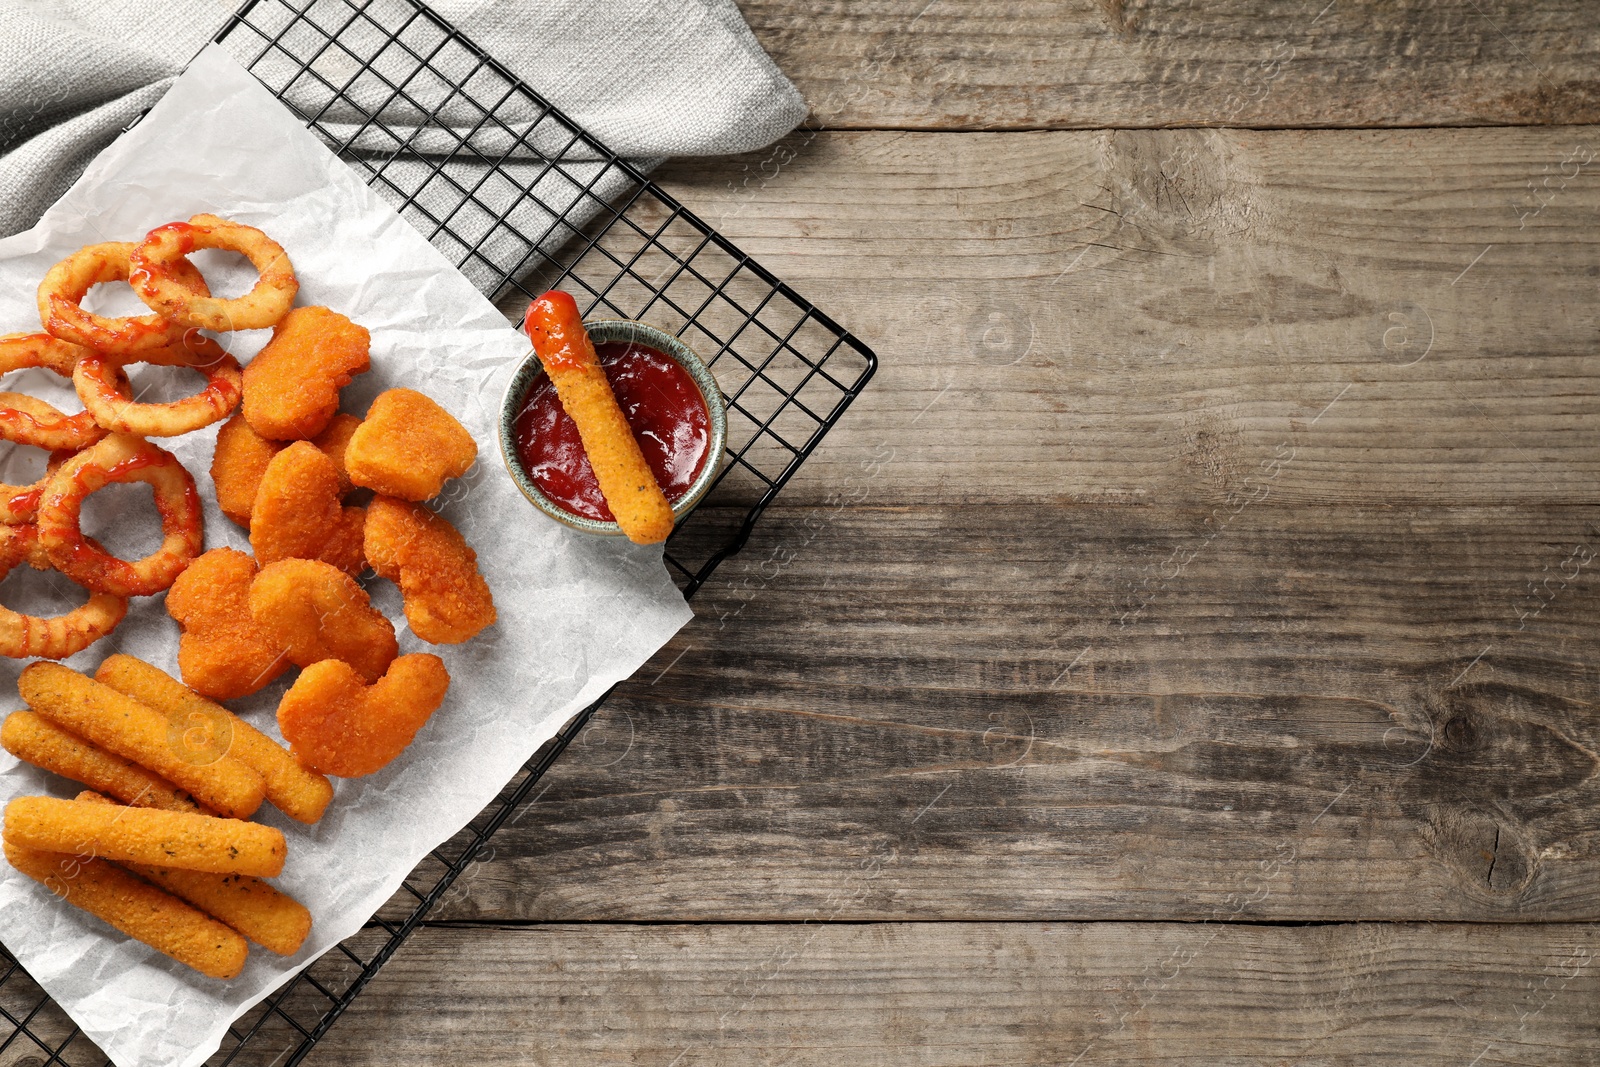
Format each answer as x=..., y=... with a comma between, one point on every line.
x=522, y=200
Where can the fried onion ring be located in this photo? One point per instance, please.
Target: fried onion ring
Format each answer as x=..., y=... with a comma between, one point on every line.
x=20, y=503
x=27, y=420
x=157, y=278
x=22, y=636
x=36, y=422
x=103, y=387
x=121, y=458
x=65, y=284
x=22, y=350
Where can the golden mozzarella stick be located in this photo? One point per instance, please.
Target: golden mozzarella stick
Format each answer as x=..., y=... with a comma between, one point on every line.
x=300, y=794
x=34, y=739
x=137, y=908
x=138, y=732
x=626, y=480
x=144, y=835
x=275, y=921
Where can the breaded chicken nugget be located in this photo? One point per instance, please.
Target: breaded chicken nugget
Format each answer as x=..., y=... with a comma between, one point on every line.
x=318, y=612
x=346, y=544
x=339, y=725
x=291, y=387
x=333, y=441
x=447, y=600
x=408, y=447
x=222, y=653
x=297, y=514
x=242, y=456
x=240, y=459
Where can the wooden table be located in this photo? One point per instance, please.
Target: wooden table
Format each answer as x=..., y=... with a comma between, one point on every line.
x=1187, y=650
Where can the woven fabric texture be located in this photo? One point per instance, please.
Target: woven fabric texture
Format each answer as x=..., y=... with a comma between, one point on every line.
x=651, y=78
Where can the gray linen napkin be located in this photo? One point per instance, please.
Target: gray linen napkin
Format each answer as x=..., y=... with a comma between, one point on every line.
x=650, y=78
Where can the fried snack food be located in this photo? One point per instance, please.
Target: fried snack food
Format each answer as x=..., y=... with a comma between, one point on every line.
x=274, y=920
x=300, y=794
x=242, y=455
x=137, y=908
x=145, y=835
x=291, y=387
x=19, y=504
x=297, y=514
x=447, y=600
x=59, y=636
x=346, y=547
x=36, y=422
x=20, y=351
x=222, y=653
x=102, y=383
x=198, y=763
x=240, y=459
x=269, y=917
x=318, y=612
x=27, y=420
x=157, y=276
x=34, y=739
x=625, y=478
x=338, y=724
x=408, y=447
x=334, y=441
x=120, y=458
x=64, y=286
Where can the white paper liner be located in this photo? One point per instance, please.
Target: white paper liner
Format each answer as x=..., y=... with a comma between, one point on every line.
x=577, y=613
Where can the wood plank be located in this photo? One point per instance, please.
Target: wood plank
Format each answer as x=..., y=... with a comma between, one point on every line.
x=941, y=995
x=1153, y=317
x=1079, y=64
x=1108, y=712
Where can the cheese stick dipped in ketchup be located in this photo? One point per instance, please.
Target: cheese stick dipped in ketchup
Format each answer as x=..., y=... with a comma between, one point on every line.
x=625, y=478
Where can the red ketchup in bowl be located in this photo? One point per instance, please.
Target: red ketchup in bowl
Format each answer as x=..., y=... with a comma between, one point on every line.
x=663, y=407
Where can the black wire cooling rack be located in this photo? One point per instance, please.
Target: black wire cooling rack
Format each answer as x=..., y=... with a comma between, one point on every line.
x=522, y=200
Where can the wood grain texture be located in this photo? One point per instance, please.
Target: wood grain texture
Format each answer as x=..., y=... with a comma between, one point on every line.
x=1096, y=712
x=1079, y=64
x=963, y=994
x=1154, y=317
x=1216, y=544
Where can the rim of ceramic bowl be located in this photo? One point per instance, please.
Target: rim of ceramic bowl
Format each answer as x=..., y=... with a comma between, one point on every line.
x=601, y=331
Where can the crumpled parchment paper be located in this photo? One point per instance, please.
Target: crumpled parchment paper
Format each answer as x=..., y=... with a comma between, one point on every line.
x=577, y=613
